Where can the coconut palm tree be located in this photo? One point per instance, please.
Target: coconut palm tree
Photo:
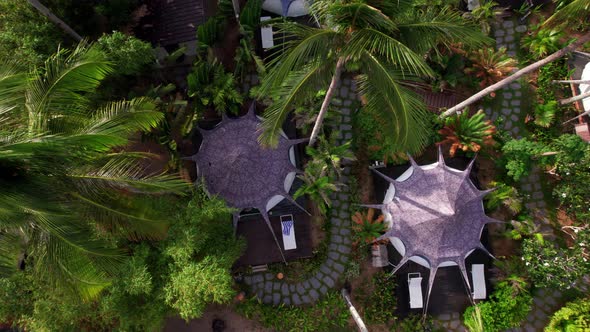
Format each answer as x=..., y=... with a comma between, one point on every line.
x=382, y=42
x=69, y=188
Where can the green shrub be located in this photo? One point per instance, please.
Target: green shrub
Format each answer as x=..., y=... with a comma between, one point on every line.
x=551, y=266
x=518, y=156
x=128, y=54
x=381, y=303
x=507, y=307
x=414, y=323
x=573, y=317
x=25, y=35
x=328, y=314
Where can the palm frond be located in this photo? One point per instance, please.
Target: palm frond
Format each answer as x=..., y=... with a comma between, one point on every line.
x=123, y=118
x=427, y=29
x=383, y=45
x=403, y=113
x=359, y=15
x=302, y=46
x=135, y=217
x=296, y=88
x=571, y=11
x=12, y=87
x=61, y=86
x=123, y=171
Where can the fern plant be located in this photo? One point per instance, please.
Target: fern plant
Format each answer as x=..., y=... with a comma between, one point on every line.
x=467, y=133
x=545, y=113
x=504, y=195
x=544, y=42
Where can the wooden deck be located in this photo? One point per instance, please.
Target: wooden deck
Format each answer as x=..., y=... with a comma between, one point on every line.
x=261, y=247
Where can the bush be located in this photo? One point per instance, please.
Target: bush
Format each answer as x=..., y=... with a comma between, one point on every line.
x=379, y=305
x=573, y=317
x=506, y=308
x=552, y=266
x=328, y=314
x=25, y=35
x=128, y=54
x=518, y=156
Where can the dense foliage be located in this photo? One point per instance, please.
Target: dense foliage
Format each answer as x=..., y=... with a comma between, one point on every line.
x=551, y=266
x=128, y=54
x=573, y=317
x=179, y=275
x=507, y=307
x=378, y=300
x=25, y=34
x=328, y=314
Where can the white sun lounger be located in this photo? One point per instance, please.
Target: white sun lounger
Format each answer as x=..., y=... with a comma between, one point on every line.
x=479, y=281
x=288, y=226
x=266, y=34
x=415, y=287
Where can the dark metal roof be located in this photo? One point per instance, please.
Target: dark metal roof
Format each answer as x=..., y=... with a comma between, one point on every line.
x=438, y=215
x=177, y=21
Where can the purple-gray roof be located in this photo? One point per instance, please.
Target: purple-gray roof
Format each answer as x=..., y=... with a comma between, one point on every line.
x=237, y=168
x=438, y=215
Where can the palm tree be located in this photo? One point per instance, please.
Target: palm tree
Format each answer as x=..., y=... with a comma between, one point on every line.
x=383, y=42
x=467, y=133
x=573, y=10
x=69, y=189
x=490, y=66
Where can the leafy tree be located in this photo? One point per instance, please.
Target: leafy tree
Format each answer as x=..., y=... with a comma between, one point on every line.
x=507, y=307
x=573, y=317
x=128, y=54
x=25, y=34
x=467, y=133
x=384, y=42
x=67, y=184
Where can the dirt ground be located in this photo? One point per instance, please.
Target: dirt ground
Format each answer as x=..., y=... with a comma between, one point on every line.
x=233, y=322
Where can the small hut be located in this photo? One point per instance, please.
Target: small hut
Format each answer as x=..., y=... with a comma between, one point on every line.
x=436, y=217
x=246, y=175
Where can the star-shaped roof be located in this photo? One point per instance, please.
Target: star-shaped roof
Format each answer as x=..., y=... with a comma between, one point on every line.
x=238, y=169
x=438, y=214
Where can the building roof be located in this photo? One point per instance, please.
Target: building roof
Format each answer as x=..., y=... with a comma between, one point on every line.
x=238, y=169
x=438, y=215
x=177, y=21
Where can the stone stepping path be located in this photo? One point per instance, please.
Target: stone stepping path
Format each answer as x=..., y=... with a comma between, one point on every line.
x=273, y=291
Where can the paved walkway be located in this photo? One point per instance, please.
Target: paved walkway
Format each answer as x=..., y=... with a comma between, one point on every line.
x=545, y=301
x=273, y=291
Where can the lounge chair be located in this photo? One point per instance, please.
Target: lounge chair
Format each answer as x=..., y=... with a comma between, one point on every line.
x=479, y=281
x=266, y=34
x=288, y=226
x=415, y=287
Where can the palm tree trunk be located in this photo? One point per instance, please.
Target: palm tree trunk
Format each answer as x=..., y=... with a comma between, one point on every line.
x=572, y=81
x=47, y=13
x=326, y=102
x=574, y=98
x=585, y=38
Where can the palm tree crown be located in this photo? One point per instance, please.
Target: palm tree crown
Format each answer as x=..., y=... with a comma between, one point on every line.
x=382, y=42
x=67, y=184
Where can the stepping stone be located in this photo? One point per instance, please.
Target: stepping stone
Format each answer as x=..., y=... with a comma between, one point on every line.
x=515, y=102
x=507, y=95
x=515, y=86
x=276, y=298
x=511, y=53
x=514, y=117
x=499, y=33
x=508, y=24
x=506, y=111
x=507, y=125
x=520, y=28
x=509, y=38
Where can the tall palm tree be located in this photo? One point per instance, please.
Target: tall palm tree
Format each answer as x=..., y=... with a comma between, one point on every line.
x=69, y=190
x=383, y=42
